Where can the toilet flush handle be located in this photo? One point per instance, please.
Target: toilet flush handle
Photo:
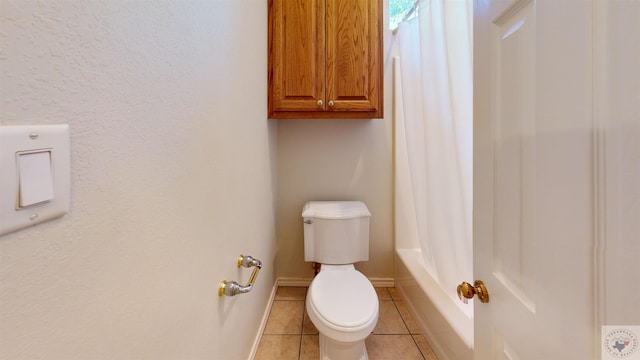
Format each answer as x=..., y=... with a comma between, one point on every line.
x=308, y=221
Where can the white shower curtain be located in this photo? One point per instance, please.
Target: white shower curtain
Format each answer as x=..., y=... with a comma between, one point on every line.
x=436, y=100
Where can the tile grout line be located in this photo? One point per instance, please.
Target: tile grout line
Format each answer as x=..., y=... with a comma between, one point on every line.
x=402, y=317
x=418, y=346
x=409, y=330
x=301, y=331
x=413, y=336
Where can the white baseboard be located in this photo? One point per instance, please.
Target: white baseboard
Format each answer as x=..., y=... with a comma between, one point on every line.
x=290, y=281
x=263, y=322
x=383, y=282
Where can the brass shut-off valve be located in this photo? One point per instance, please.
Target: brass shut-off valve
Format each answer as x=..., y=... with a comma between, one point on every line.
x=232, y=288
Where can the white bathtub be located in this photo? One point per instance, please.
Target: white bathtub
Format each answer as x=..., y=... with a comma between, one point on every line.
x=444, y=321
x=447, y=325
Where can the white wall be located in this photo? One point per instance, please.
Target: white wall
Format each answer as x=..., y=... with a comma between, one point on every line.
x=173, y=176
x=334, y=160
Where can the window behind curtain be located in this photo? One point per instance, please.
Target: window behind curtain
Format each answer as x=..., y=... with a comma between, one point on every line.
x=397, y=11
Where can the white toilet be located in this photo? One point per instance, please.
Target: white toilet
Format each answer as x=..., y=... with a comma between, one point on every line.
x=341, y=302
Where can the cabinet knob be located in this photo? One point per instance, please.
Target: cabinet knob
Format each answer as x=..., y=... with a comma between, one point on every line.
x=330, y=103
x=319, y=102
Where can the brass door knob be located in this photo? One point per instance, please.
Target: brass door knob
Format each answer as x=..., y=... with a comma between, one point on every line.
x=466, y=291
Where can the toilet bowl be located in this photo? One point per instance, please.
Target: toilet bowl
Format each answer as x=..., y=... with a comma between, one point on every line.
x=341, y=302
x=343, y=305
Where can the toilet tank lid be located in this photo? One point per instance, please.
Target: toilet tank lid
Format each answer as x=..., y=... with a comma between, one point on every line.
x=335, y=210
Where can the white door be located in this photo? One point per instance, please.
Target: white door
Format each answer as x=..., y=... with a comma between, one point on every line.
x=533, y=179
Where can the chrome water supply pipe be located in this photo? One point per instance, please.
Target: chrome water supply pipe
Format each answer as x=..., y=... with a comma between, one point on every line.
x=232, y=288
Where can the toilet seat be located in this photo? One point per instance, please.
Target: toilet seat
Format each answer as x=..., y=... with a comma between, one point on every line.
x=343, y=300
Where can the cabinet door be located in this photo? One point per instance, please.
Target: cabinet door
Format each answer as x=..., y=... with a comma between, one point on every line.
x=354, y=56
x=296, y=55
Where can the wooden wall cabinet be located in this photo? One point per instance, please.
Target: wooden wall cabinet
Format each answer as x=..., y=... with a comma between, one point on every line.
x=325, y=59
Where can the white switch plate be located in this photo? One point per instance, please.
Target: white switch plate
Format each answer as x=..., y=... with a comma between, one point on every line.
x=21, y=139
x=35, y=177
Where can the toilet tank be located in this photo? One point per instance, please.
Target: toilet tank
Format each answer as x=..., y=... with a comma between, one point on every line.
x=336, y=232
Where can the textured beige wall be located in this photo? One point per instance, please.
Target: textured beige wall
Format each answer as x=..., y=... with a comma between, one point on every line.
x=173, y=176
x=334, y=160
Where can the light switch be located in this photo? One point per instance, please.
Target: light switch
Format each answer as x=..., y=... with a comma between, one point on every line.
x=35, y=178
x=35, y=174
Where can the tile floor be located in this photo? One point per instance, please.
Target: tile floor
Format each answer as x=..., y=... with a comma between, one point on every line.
x=290, y=335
